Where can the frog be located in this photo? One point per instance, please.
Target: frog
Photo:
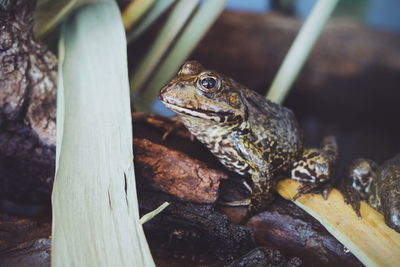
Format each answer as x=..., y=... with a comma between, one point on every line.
x=248, y=134
x=378, y=185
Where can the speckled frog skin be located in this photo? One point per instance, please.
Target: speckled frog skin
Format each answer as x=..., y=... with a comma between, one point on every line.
x=246, y=132
x=377, y=185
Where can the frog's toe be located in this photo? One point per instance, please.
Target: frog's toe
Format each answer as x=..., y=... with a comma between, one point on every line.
x=171, y=128
x=355, y=204
x=311, y=188
x=248, y=187
x=353, y=198
x=325, y=191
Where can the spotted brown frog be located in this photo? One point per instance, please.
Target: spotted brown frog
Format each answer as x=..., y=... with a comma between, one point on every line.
x=377, y=185
x=246, y=132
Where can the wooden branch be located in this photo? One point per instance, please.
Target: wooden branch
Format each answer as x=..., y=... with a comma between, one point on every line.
x=369, y=238
x=176, y=173
x=24, y=242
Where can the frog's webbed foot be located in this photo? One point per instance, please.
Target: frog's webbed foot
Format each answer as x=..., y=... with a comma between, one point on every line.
x=306, y=188
x=171, y=128
x=356, y=184
x=176, y=124
x=315, y=169
x=351, y=197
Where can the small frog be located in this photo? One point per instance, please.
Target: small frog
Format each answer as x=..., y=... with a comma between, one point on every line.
x=379, y=186
x=247, y=133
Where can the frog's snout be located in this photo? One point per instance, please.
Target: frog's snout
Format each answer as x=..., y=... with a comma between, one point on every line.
x=175, y=92
x=162, y=93
x=165, y=92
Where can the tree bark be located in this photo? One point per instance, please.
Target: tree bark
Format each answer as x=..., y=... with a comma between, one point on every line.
x=27, y=107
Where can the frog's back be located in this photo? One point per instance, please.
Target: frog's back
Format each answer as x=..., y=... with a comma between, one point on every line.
x=276, y=128
x=389, y=173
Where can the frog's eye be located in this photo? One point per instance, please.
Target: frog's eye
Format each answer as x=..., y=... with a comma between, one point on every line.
x=208, y=83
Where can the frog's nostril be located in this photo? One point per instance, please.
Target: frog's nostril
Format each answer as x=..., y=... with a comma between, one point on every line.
x=180, y=85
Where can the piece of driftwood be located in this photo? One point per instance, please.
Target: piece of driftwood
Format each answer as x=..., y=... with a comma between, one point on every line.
x=265, y=257
x=194, y=232
x=294, y=232
x=286, y=227
x=169, y=169
x=355, y=233
x=24, y=242
x=27, y=107
x=176, y=173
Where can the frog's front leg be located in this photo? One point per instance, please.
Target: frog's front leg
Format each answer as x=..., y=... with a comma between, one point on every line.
x=261, y=195
x=261, y=173
x=315, y=168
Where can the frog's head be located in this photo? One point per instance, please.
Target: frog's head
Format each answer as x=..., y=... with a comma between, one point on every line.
x=200, y=93
x=361, y=173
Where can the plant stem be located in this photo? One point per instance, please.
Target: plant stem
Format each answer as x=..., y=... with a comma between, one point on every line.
x=94, y=202
x=135, y=11
x=154, y=13
x=174, y=24
x=300, y=49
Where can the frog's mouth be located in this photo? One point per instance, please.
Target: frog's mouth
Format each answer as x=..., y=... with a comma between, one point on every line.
x=220, y=116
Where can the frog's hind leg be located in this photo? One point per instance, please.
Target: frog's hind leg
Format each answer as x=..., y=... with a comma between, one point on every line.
x=315, y=168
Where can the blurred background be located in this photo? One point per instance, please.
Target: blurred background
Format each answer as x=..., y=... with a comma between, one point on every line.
x=374, y=13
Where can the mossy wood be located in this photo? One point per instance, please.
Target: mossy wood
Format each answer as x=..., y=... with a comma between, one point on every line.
x=369, y=238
